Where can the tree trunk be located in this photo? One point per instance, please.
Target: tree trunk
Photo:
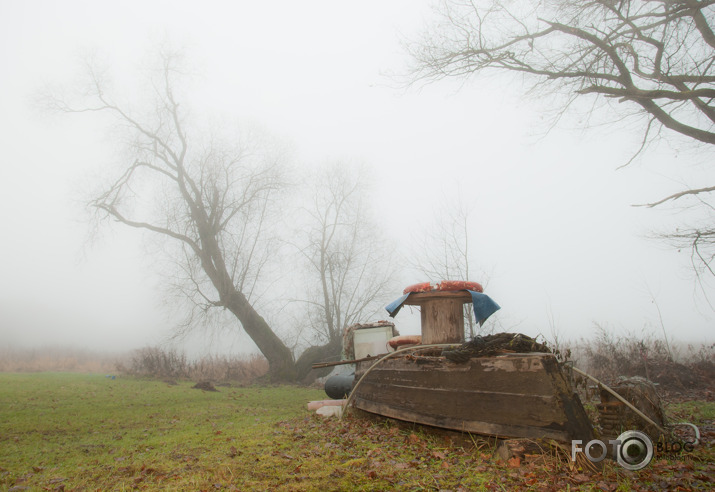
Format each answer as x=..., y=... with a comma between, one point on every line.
x=305, y=373
x=280, y=360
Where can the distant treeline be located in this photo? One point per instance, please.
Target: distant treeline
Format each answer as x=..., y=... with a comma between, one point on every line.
x=57, y=358
x=153, y=362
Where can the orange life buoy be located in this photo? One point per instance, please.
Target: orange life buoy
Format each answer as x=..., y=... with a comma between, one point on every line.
x=396, y=342
x=444, y=285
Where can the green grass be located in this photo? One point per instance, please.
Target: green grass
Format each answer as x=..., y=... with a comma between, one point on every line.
x=691, y=411
x=96, y=432
x=88, y=432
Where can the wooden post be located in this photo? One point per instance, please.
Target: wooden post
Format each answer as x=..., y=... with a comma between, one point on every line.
x=442, y=315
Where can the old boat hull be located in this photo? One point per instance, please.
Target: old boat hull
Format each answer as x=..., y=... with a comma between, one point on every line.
x=513, y=395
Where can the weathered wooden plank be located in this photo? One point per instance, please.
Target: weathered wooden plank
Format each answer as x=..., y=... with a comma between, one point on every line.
x=475, y=426
x=442, y=321
x=441, y=315
x=417, y=299
x=493, y=374
x=518, y=395
x=485, y=406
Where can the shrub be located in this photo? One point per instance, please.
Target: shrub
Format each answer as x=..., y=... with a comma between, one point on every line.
x=610, y=356
x=160, y=363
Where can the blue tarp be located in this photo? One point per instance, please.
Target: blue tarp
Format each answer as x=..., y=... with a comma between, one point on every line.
x=483, y=306
x=394, y=307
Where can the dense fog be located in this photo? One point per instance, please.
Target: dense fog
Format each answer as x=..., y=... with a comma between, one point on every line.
x=552, y=232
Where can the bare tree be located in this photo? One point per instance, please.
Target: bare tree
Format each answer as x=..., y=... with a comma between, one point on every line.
x=207, y=198
x=446, y=251
x=345, y=255
x=656, y=58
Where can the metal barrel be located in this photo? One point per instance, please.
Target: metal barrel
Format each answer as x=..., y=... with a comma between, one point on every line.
x=339, y=386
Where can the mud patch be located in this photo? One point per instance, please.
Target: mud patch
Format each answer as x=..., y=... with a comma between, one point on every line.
x=205, y=386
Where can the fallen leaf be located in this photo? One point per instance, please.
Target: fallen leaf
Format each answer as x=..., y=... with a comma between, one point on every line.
x=580, y=478
x=607, y=487
x=514, y=462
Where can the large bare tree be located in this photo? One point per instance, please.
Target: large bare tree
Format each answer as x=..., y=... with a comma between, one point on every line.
x=208, y=198
x=345, y=255
x=653, y=59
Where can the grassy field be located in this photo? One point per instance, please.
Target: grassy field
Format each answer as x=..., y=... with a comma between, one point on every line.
x=63, y=431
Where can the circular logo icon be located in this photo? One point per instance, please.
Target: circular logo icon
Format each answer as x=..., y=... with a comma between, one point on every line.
x=635, y=450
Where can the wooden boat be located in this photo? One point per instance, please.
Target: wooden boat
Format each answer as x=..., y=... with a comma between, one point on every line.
x=514, y=395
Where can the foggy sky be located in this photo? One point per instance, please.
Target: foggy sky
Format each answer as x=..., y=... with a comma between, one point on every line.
x=553, y=220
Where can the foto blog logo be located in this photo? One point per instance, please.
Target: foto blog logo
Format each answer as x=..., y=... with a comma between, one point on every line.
x=633, y=450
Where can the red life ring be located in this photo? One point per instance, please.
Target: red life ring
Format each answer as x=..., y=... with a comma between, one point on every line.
x=396, y=342
x=444, y=285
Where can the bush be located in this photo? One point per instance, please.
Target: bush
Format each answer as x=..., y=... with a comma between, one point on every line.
x=609, y=356
x=156, y=362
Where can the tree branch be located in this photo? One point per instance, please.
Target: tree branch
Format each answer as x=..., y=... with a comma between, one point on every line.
x=675, y=196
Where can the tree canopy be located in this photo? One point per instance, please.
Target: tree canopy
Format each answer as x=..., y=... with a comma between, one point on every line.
x=653, y=59
x=208, y=197
x=215, y=200
x=343, y=251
